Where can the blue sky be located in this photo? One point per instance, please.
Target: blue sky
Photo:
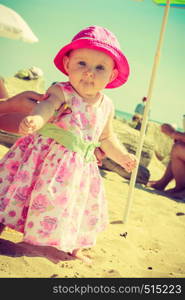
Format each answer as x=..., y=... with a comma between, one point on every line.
x=136, y=25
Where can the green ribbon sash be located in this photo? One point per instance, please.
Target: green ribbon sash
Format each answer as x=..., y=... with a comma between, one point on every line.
x=69, y=140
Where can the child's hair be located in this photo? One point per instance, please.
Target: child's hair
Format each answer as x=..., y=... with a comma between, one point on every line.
x=98, y=38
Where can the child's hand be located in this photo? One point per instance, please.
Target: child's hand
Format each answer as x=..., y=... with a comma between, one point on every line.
x=129, y=162
x=100, y=155
x=30, y=124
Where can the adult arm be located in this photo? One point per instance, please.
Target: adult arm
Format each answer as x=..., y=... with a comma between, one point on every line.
x=21, y=103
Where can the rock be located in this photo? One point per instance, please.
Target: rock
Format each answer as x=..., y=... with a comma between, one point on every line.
x=23, y=74
x=29, y=74
x=36, y=72
x=165, y=160
x=142, y=175
x=163, y=143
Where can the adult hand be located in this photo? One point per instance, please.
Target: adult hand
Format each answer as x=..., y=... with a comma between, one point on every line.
x=23, y=102
x=16, y=108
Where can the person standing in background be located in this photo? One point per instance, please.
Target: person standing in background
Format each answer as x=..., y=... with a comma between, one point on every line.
x=140, y=107
x=138, y=113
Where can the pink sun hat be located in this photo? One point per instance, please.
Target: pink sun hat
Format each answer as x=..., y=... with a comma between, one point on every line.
x=98, y=38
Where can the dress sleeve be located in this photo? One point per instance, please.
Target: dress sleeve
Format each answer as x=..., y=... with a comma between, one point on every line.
x=65, y=107
x=108, y=108
x=66, y=89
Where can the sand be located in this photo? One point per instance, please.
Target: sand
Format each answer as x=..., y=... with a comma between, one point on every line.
x=150, y=244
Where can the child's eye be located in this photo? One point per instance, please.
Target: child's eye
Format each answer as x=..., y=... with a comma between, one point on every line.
x=100, y=67
x=82, y=63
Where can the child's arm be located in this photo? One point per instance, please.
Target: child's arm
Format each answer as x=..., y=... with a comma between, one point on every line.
x=113, y=149
x=43, y=111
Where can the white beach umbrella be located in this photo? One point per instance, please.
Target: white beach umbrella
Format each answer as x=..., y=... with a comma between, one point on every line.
x=175, y=3
x=13, y=26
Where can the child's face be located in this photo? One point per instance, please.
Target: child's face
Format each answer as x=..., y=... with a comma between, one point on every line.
x=89, y=71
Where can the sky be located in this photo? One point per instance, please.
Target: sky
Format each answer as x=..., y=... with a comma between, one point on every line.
x=137, y=26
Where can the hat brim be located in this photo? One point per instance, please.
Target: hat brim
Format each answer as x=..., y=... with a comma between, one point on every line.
x=118, y=57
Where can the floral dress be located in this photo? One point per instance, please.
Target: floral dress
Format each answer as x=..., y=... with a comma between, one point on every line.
x=50, y=193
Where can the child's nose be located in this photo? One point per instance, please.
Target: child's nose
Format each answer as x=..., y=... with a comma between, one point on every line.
x=89, y=72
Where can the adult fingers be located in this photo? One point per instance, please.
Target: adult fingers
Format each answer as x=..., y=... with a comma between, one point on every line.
x=34, y=95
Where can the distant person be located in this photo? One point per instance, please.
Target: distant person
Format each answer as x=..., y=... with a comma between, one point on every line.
x=176, y=167
x=138, y=113
x=51, y=188
x=140, y=107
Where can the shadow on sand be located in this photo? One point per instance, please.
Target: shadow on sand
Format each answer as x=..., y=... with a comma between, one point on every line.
x=12, y=249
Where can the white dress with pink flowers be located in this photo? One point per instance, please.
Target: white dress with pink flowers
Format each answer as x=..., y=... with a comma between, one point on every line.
x=51, y=194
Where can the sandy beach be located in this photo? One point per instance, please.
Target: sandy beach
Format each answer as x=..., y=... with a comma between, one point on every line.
x=150, y=244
